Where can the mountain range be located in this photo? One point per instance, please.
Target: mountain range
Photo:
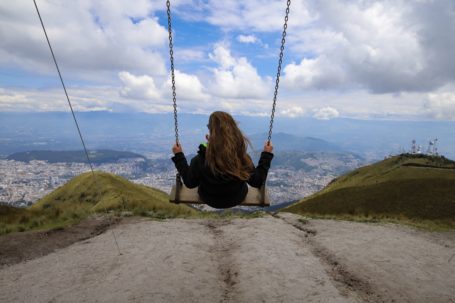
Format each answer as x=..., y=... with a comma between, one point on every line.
x=77, y=156
x=141, y=132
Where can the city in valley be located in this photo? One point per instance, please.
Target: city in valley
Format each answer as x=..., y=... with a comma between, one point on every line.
x=302, y=164
x=291, y=177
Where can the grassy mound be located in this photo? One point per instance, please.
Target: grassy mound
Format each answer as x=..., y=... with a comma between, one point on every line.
x=417, y=189
x=87, y=194
x=10, y=214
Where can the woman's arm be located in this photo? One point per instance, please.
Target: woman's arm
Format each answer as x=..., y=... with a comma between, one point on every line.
x=259, y=174
x=189, y=173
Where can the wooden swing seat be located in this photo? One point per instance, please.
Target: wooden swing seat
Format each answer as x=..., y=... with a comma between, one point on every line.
x=182, y=194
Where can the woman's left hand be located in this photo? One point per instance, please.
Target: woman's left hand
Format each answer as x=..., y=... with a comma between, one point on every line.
x=177, y=148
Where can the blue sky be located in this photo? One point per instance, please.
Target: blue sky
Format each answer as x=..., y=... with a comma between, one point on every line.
x=356, y=59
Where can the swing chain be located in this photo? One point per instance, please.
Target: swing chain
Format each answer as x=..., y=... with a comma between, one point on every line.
x=280, y=61
x=277, y=81
x=171, y=55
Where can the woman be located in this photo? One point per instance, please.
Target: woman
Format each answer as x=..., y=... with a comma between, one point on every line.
x=222, y=167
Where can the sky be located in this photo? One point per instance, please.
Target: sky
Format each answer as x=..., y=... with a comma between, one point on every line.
x=357, y=59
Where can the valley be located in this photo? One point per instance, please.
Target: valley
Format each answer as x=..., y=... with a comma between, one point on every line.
x=293, y=175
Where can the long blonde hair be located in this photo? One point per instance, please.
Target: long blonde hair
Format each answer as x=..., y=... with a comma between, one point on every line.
x=227, y=147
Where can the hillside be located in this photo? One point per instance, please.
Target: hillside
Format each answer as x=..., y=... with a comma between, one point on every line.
x=86, y=194
x=409, y=187
x=96, y=156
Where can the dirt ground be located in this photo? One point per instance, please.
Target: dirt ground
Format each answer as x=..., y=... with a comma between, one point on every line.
x=270, y=259
x=20, y=247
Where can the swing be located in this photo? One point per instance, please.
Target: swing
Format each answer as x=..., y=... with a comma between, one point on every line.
x=179, y=192
x=182, y=194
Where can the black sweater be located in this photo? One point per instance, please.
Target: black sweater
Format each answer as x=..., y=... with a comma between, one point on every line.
x=216, y=190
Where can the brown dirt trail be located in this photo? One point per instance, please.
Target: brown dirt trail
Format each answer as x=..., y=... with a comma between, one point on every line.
x=270, y=259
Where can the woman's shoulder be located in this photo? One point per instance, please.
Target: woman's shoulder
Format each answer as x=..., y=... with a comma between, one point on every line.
x=200, y=153
x=202, y=149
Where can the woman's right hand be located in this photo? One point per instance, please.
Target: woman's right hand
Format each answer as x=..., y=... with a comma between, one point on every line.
x=268, y=146
x=177, y=148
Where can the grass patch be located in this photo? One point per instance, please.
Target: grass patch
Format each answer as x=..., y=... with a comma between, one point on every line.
x=415, y=190
x=25, y=219
x=85, y=195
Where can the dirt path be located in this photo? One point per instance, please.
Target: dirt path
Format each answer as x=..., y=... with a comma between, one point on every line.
x=396, y=263
x=257, y=260
x=24, y=246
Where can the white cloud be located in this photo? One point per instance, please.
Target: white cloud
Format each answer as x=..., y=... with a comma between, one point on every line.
x=138, y=87
x=325, y=113
x=144, y=87
x=360, y=105
x=91, y=39
x=233, y=85
x=440, y=105
x=189, y=55
x=364, y=58
x=222, y=56
x=381, y=46
x=188, y=87
x=313, y=73
x=54, y=99
x=247, y=39
x=255, y=15
x=293, y=111
x=235, y=77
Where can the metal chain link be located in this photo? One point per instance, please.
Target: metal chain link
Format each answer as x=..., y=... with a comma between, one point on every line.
x=171, y=55
x=277, y=82
x=280, y=61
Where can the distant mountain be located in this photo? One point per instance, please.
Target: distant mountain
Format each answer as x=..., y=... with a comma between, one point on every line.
x=288, y=142
x=411, y=187
x=96, y=156
x=142, y=132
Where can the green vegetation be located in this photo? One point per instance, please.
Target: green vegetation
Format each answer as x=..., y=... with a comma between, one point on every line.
x=96, y=156
x=87, y=194
x=412, y=189
x=103, y=193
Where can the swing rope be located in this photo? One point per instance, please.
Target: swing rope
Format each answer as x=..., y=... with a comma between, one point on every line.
x=74, y=117
x=64, y=88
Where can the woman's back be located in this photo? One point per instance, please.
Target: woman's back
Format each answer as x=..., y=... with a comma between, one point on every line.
x=222, y=167
x=227, y=147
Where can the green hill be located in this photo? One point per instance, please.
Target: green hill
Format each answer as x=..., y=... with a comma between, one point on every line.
x=87, y=194
x=414, y=188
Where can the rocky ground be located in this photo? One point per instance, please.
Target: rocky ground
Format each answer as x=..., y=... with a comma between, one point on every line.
x=270, y=259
